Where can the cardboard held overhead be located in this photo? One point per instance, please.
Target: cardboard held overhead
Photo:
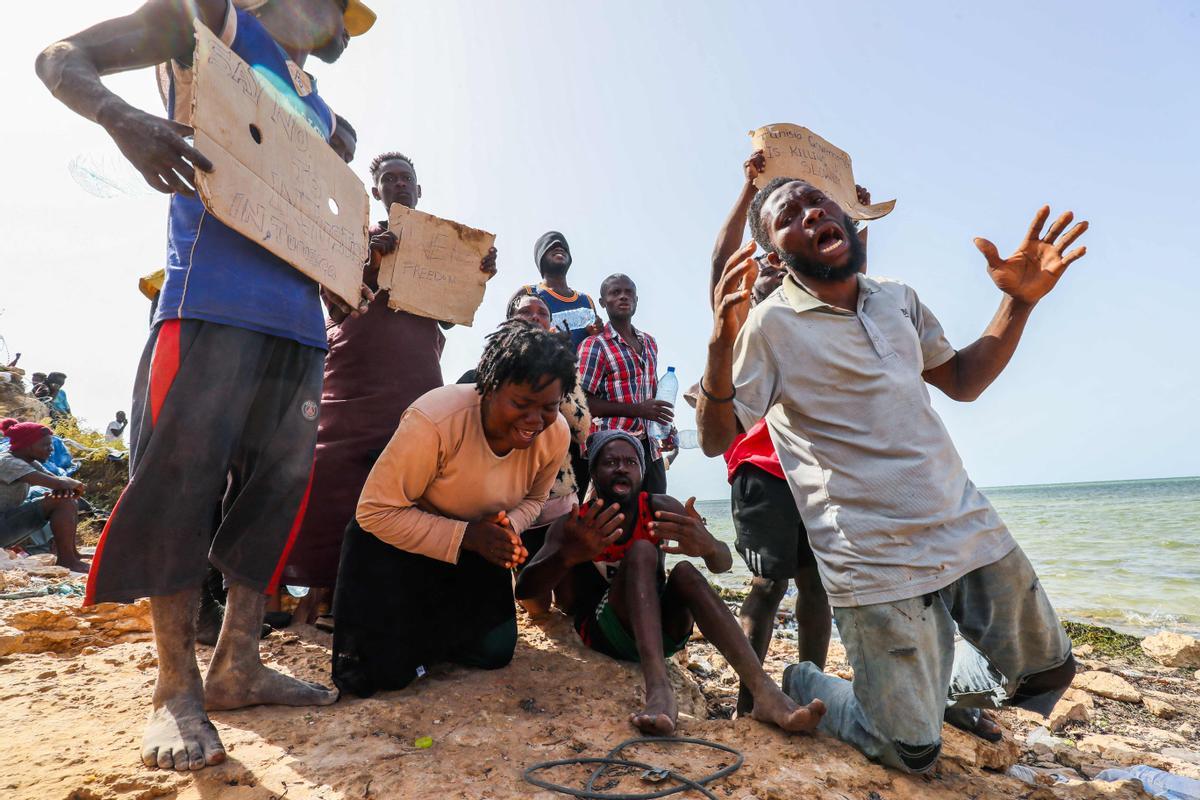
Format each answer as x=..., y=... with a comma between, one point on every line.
x=274, y=179
x=434, y=270
x=795, y=152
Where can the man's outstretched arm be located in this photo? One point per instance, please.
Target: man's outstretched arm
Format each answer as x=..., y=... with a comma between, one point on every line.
x=729, y=238
x=1025, y=277
x=159, y=31
x=716, y=421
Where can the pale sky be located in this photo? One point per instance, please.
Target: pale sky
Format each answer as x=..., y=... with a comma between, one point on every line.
x=623, y=124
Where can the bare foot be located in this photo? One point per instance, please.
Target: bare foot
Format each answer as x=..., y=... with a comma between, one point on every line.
x=179, y=736
x=257, y=685
x=73, y=563
x=658, y=718
x=778, y=709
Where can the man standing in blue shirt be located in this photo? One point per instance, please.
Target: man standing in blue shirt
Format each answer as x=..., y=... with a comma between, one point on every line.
x=227, y=395
x=571, y=312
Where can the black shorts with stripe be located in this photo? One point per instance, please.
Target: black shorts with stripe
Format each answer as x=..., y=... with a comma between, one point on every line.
x=770, y=535
x=222, y=434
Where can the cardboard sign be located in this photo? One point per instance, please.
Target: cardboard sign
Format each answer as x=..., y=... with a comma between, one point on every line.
x=274, y=179
x=434, y=270
x=795, y=152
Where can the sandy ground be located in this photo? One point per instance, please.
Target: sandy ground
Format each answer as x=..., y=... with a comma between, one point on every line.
x=75, y=686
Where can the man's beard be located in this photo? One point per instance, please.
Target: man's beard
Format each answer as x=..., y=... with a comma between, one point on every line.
x=817, y=270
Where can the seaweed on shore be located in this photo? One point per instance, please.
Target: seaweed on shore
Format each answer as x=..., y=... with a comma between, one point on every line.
x=1104, y=641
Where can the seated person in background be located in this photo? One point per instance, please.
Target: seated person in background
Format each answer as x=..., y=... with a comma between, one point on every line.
x=564, y=494
x=625, y=603
x=22, y=517
x=425, y=567
x=57, y=398
x=37, y=385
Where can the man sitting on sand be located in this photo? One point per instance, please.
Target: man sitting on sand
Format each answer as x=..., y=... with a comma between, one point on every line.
x=627, y=606
x=910, y=552
x=21, y=516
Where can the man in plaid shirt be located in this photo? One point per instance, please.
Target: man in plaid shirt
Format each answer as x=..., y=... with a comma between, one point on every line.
x=619, y=367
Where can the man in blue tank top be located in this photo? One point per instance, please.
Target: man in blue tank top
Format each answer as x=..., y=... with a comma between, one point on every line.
x=226, y=400
x=571, y=312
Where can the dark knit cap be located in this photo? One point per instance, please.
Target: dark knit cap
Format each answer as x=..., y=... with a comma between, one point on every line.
x=603, y=438
x=545, y=242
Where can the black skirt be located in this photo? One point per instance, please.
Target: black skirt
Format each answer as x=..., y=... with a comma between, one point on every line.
x=398, y=612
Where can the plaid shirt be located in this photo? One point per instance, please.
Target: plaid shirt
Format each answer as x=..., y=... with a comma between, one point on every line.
x=611, y=369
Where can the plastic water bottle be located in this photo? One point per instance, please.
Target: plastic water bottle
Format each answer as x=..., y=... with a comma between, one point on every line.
x=689, y=440
x=108, y=175
x=668, y=388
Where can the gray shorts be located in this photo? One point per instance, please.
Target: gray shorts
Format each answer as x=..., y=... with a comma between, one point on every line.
x=223, y=426
x=20, y=522
x=909, y=670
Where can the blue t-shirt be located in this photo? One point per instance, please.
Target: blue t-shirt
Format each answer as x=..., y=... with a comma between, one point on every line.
x=213, y=272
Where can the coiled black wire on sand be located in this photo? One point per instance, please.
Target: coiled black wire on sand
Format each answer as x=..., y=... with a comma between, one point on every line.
x=613, y=759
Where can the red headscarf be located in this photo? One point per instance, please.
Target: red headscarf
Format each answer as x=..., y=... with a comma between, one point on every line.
x=23, y=434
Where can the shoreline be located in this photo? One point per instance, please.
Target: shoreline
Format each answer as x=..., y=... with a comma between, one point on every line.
x=77, y=684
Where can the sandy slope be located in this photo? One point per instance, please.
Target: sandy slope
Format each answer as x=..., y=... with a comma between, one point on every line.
x=75, y=685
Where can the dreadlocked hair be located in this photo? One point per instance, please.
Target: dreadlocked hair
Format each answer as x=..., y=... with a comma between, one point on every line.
x=521, y=352
x=393, y=155
x=756, y=223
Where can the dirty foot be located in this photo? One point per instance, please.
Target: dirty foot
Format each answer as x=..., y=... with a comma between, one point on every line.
x=75, y=564
x=658, y=718
x=776, y=708
x=179, y=736
x=258, y=685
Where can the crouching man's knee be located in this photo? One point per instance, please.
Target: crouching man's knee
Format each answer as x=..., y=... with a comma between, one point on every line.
x=914, y=758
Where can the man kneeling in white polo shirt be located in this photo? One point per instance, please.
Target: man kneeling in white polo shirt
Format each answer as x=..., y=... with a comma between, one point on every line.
x=908, y=549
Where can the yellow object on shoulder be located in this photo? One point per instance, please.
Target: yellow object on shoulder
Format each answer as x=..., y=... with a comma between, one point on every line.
x=151, y=285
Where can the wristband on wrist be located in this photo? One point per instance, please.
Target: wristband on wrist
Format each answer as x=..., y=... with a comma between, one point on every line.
x=714, y=398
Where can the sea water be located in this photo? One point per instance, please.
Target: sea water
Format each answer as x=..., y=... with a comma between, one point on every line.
x=1125, y=554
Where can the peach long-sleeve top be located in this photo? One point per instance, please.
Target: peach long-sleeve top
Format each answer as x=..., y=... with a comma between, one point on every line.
x=438, y=473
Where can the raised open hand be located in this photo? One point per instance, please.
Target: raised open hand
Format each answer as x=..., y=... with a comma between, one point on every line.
x=590, y=533
x=686, y=530
x=1039, y=261
x=731, y=299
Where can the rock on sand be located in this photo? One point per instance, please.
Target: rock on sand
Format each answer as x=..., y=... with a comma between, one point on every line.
x=1173, y=649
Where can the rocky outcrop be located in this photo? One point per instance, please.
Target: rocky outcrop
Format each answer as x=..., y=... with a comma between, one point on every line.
x=58, y=625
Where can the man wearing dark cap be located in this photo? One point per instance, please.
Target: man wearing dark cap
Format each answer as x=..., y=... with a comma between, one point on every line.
x=570, y=311
x=625, y=602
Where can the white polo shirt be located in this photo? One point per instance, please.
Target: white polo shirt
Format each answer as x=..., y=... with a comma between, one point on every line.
x=890, y=511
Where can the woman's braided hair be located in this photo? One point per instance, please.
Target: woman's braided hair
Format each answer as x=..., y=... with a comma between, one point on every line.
x=521, y=352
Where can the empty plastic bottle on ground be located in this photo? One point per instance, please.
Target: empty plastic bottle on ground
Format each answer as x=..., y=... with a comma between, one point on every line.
x=668, y=388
